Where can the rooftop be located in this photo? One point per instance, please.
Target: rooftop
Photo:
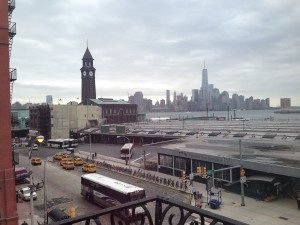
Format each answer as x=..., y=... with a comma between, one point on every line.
x=109, y=101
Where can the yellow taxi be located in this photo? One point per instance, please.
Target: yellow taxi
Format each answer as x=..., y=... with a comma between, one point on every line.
x=66, y=156
x=89, y=168
x=64, y=160
x=36, y=161
x=58, y=156
x=68, y=165
x=78, y=161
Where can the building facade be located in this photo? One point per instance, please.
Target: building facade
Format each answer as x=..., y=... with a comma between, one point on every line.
x=67, y=119
x=285, y=103
x=116, y=111
x=88, y=85
x=39, y=117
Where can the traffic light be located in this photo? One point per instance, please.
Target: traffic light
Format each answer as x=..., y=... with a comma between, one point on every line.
x=242, y=172
x=204, y=172
x=199, y=170
x=183, y=175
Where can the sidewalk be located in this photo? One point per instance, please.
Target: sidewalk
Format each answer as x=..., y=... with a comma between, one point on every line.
x=23, y=209
x=278, y=212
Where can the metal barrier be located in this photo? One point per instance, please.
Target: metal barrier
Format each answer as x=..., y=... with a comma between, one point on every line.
x=165, y=212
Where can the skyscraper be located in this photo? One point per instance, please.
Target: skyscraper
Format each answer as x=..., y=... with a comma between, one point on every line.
x=205, y=93
x=195, y=95
x=138, y=99
x=204, y=78
x=168, y=101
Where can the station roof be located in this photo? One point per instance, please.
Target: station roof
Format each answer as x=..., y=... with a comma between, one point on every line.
x=267, y=155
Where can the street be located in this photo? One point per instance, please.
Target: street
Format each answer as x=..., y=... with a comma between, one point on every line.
x=63, y=186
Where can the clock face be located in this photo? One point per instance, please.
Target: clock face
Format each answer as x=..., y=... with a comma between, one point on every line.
x=91, y=73
x=84, y=73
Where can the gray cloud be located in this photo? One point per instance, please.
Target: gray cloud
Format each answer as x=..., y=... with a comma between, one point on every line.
x=251, y=47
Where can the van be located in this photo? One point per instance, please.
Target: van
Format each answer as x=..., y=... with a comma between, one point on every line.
x=21, y=174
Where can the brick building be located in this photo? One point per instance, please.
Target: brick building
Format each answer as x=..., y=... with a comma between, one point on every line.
x=116, y=111
x=40, y=119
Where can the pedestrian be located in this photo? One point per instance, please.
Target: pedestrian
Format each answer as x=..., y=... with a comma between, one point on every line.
x=95, y=154
x=24, y=223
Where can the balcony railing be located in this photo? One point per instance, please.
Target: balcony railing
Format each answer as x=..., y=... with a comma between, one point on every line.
x=12, y=30
x=164, y=211
x=13, y=74
x=11, y=5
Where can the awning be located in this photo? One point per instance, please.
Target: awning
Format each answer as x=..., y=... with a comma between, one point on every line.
x=269, y=179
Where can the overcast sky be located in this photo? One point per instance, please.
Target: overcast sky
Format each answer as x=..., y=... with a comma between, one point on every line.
x=250, y=47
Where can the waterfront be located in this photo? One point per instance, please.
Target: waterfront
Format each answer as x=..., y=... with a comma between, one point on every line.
x=247, y=114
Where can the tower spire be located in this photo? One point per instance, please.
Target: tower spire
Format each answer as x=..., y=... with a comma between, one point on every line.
x=204, y=64
x=87, y=43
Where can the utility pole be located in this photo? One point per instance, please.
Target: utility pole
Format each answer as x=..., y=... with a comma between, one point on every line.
x=242, y=175
x=31, y=184
x=45, y=194
x=8, y=201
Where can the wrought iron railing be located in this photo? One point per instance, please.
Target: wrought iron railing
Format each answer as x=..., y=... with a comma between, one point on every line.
x=158, y=210
x=11, y=5
x=13, y=74
x=12, y=29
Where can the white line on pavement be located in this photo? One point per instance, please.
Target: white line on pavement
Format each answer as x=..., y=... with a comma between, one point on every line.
x=140, y=158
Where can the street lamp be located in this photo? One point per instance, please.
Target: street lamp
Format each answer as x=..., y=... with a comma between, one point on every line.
x=242, y=175
x=39, y=139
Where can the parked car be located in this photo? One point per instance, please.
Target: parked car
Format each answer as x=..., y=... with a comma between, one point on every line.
x=36, y=161
x=89, y=168
x=78, y=161
x=35, y=147
x=68, y=165
x=65, y=160
x=24, y=193
x=58, y=156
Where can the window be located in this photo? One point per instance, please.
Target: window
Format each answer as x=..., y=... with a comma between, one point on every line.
x=180, y=163
x=166, y=160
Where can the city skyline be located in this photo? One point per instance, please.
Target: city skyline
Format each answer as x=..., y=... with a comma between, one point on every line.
x=162, y=50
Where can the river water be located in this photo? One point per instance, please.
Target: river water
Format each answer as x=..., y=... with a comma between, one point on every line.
x=247, y=114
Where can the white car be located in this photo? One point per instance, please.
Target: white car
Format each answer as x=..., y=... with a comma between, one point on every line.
x=24, y=193
x=35, y=147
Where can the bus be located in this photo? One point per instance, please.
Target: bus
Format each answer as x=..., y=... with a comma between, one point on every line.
x=126, y=151
x=62, y=143
x=107, y=192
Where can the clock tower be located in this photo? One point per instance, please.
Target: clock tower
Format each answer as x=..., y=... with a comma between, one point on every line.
x=88, y=86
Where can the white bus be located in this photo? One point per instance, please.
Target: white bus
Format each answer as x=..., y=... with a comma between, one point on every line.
x=62, y=143
x=126, y=151
x=108, y=192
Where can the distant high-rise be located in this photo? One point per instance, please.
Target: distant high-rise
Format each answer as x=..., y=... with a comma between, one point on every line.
x=206, y=90
x=174, y=97
x=204, y=78
x=285, y=103
x=168, y=100
x=49, y=99
x=195, y=95
x=138, y=99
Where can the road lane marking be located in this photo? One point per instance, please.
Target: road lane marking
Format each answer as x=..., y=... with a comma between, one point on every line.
x=140, y=158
